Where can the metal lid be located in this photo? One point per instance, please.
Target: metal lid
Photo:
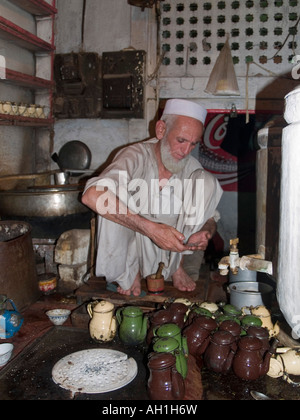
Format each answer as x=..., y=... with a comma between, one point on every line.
x=223, y=338
x=132, y=311
x=168, y=330
x=161, y=360
x=250, y=343
x=103, y=307
x=165, y=344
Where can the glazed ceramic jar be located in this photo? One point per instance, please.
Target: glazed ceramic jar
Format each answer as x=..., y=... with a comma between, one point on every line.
x=263, y=335
x=198, y=333
x=165, y=382
x=219, y=355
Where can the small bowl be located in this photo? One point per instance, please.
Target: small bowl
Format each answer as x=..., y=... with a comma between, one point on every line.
x=6, y=350
x=58, y=316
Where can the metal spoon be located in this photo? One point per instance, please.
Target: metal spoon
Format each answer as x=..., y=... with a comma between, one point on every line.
x=259, y=396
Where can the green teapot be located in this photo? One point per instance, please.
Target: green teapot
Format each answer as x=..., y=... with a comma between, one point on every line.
x=171, y=345
x=132, y=325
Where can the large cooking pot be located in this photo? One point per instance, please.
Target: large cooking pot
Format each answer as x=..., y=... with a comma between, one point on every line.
x=49, y=201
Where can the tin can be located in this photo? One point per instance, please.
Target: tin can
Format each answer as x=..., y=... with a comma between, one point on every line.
x=48, y=283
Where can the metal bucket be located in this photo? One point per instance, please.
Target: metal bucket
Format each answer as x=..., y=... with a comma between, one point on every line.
x=18, y=276
x=250, y=294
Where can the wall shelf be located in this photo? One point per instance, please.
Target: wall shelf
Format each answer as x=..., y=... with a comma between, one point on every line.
x=36, y=7
x=25, y=121
x=24, y=80
x=13, y=33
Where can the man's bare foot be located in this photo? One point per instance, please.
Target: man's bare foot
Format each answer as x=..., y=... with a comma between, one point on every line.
x=135, y=289
x=182, y=281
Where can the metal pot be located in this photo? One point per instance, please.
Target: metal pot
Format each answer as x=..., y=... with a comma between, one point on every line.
x=250, y=294
x=42, y=202
x=242, y=275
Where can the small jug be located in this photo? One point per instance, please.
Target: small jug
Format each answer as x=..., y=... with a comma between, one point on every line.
x=133, y=325
x=220, y=352
x=165, y=382
x=103, y=324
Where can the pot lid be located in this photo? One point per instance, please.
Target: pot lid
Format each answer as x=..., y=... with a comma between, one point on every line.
x=165, y=344
x=230, y=326
x=161, y=360
x=168, y=330
x=250, y=343
x=206, y=322
x=223, y=338
x=132, y=311
x=103, y=306
x=259, y=332
x=251, y=320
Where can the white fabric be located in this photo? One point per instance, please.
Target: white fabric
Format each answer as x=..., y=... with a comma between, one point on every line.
x=122, y=253
x=185, y=108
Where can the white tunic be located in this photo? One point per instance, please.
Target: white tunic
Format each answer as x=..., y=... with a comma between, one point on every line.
x=187, y=200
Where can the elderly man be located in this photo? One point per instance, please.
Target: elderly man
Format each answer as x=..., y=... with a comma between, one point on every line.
x=155, y=203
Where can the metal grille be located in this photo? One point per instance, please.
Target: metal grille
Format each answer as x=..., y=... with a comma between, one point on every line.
x=261, y=31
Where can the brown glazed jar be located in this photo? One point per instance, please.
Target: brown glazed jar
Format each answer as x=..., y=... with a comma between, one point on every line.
x=177, y=313
x=263, y=335
x=198, y=333
x=165, y=382
x=220, y=352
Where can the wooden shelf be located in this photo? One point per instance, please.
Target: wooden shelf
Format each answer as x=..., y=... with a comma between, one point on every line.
x=25, y=121
x=24, y=80
x=36, y=7
x=13, y=33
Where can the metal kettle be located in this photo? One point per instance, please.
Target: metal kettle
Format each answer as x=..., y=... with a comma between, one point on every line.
x=10, y=320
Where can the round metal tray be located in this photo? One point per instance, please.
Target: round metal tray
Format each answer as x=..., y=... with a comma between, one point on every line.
x=94, y=371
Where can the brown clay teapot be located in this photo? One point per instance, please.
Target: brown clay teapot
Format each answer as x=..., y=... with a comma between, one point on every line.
x=164, y=383
x=248, y=363
x=198, y=333
x=219, y=355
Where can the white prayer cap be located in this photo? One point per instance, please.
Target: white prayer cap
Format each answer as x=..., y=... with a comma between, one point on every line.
x=186, y=109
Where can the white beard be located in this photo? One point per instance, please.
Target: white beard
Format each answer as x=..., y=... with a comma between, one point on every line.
x=171, y=164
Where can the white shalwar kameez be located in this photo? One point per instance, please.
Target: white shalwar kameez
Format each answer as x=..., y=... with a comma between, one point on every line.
x=122, y=253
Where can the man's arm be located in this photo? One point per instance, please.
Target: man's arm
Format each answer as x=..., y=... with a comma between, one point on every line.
x=107, y=205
